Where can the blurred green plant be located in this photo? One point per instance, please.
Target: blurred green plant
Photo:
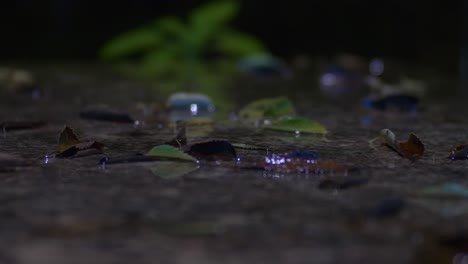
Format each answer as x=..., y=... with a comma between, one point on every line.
x=199, y=52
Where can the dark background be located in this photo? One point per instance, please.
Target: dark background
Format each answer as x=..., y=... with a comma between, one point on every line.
x=422, y=31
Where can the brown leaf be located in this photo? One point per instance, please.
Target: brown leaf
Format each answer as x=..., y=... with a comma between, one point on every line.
x=67, y=139
x=458, y=149
x=87, y=145
x=413, y=149
x=459, y=153
x=69, y=144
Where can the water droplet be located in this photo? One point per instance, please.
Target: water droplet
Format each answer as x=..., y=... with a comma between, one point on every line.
x=194, y=109
x=103, y=162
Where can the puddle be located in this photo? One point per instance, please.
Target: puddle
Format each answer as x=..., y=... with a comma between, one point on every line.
x=283, y=211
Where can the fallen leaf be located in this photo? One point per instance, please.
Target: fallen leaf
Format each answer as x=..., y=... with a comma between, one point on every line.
x=459, y=153
x=268, y=108
x=213, y=150
x=69, y=144
x=87, y=145
x=298, y=125
x=67, y=139
x=169, y=152
x=413, y=149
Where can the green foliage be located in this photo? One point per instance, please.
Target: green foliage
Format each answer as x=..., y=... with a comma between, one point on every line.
x=130, y=43
x=175, y=51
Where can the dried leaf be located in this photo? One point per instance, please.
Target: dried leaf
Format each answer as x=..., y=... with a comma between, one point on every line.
x=67, y=139
x=169, y=152
x=413, y=149
x=69, y=144
x=459, y=153
x=87, y=145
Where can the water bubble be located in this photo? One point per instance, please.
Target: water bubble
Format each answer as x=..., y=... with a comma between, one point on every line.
x=298, y=133
x=194, y=109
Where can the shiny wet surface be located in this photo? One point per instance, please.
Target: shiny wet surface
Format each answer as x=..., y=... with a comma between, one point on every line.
x=75, y=211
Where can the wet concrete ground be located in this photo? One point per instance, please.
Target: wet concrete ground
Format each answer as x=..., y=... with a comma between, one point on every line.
x=74, y=211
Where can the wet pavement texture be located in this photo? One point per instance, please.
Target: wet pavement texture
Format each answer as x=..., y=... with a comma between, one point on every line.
x=73, y=210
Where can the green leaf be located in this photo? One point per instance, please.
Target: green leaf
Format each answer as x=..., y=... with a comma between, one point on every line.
x=172, y=170
x=214, y=14
x=302, y=125
x=207, y=20
x=169, y=152
x=268, y=108
x=132, y=42
x=238, y=44
x=161, y=62
x=171, y=26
